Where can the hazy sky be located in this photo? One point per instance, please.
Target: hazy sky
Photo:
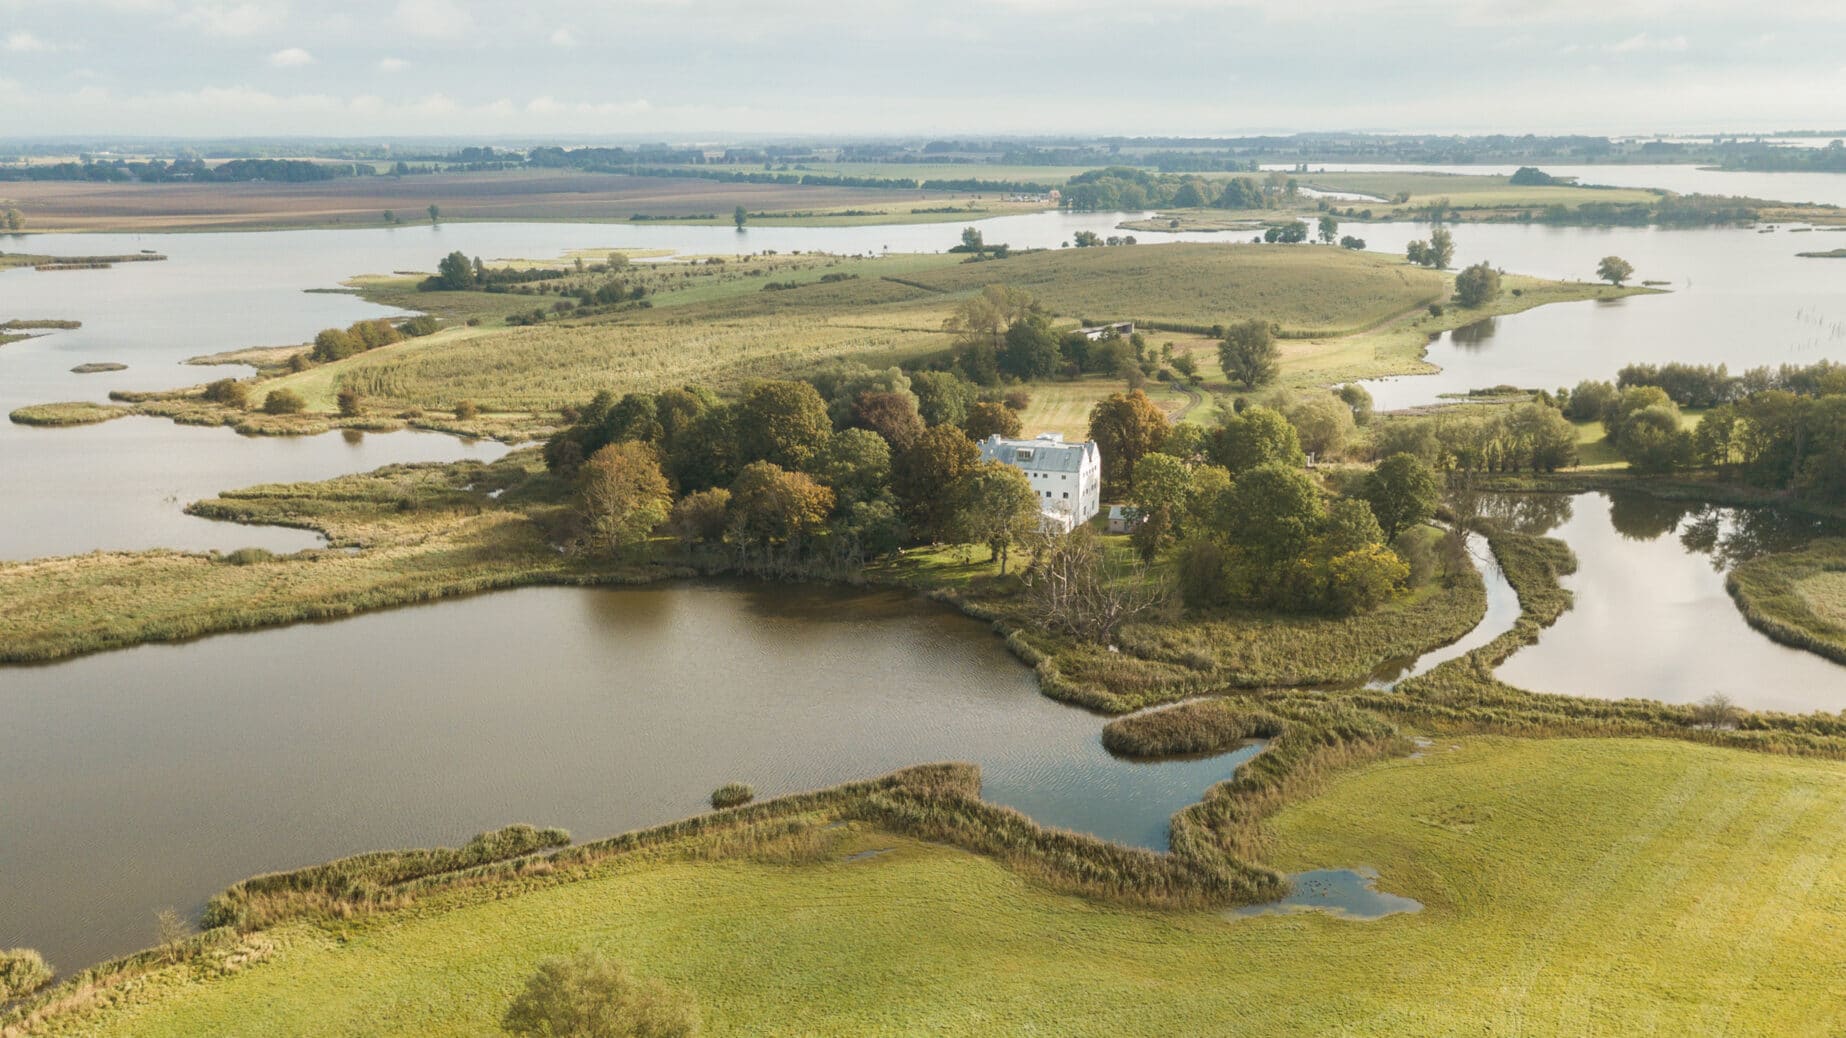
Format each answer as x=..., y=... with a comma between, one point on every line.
x=697, y=69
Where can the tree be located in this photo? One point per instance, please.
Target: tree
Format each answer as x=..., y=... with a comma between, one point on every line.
x=939, y=459
x=1271, y=516
x=171, y=932
x=1359, y=399
x=349, y=402
x=783, y=422
x=1614, y=270
x=1441, y=248
x=1477, y=285
x=1258, y=436
x=943, y=397
x=740, y=217
x=333, y=344
x=15, y=220
x=985, y=316
x=229, y=392
x=971, y=241
x=1075, y=591
x=988, y=419
x=997, y=507
x=455, y=272
x=1249, y=353
x=1545, y=437
x=1652, y=441
x=1163, y=487
x=588, y=995
x=890, y=415
x=773, y=506
x=1403, y=491
x=856, y=463
x=1329, y=229
x=1322, y=422
x=1126, y=426
x=1030, y=349
x=284, y=401
x=621, y=497
x=700, y=517
x=435, y=212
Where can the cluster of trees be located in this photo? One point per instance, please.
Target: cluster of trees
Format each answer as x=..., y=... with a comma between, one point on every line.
x=1532, y=176
x=1090, y=239
x=1002, y=333
x=1477, y=285
x=1785, y=439
x=13, y=220
x=1127, y=187
x=1437, y=252
x=339, y=343
x=1532, y=437
x=795, y=475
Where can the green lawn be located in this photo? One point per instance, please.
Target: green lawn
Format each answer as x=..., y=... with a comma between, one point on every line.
x=1573, y=887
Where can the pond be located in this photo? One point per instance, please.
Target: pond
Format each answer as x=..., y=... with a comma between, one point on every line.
x=154, y=777
x=1651, y=618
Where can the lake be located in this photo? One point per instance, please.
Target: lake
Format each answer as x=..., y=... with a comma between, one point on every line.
x=156, y=776
x=1651, y=618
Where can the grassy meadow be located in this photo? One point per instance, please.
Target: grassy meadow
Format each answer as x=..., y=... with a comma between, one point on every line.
x=1571, y=887
x=1798, y=598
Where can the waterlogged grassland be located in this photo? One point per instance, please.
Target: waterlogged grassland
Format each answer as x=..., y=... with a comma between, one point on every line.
x=416, y=532
x=1797, y=598
x=1570, y=887
x=1463, y=191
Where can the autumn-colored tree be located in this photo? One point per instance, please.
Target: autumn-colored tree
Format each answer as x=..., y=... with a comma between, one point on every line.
x=1126, y=427
x=621, y=497
x=781, y=422
x=987, y=419
x=996, y=507
x=772, y=506
x=891, y=415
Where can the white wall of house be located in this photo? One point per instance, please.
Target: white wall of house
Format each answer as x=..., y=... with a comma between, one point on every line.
x=1067, y=477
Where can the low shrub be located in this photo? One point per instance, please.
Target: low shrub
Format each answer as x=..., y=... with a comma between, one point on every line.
x=229, y=392
x=284, y=401
x=732, y=794
x=591, y=995
x=247, y=556
x=22, y=971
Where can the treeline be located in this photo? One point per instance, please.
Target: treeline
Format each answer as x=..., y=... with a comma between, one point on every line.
x=1668, y=211
x=161, y=172
x=333, y=344
x=1783, y=428
x=1125, y=187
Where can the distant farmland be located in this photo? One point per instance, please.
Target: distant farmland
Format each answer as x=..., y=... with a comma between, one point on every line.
x=362, y=201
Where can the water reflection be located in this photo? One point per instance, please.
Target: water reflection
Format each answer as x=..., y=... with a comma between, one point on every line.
x=1473, y=336
x=1651, y=617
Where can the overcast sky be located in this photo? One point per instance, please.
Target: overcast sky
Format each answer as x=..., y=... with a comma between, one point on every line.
x=699, y=69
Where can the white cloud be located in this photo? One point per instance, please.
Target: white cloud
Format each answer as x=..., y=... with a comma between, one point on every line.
x=236, y=19
x=392, y=64
x=20, y=41
x=561, y=37
x=436, y=19
x=291, y=57
x=1641, y=42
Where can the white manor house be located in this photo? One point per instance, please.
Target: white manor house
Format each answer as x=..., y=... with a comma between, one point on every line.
x=1066, y=476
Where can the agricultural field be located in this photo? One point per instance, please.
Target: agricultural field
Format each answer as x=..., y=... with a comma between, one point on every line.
x=1569, y=886
x=362, y=201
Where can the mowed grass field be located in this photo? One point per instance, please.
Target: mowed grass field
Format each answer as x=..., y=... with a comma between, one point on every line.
x=1571, y=887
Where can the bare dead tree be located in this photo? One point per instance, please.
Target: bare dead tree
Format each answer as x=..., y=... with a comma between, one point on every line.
x=1076, y=591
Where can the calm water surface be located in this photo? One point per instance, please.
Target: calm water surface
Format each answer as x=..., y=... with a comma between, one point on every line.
x=1651, y=618
x=155, y=776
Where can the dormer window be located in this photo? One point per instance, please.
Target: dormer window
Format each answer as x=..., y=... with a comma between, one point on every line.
x=1023, y=454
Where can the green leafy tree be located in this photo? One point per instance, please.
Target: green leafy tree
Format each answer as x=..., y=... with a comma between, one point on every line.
x=1249, y=354
x=588, y=995
x=435, y=212
x=783, y=422
x=943, y=397
x=1257, y=436
x=1163, y=487
x=1402, y=492
x=972, y=241
x=701, y=516
x=939, y=458
x=1614, y=270
x=856, y=463
x=1126, y=428
x=622, y=497
x=740, y=216
x=1030, y=349
x=996, y=507
x=455, y=272
x=1478, y=285
x=15, y=220
x=1329, y=229
x=1441, y=248
x=1270, y=519
x=1323, y=423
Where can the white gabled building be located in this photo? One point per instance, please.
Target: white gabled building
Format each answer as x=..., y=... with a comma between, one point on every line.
x=1067, y=477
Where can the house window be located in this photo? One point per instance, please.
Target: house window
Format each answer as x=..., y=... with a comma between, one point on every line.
x=1023, y=454
x=1067, y=495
